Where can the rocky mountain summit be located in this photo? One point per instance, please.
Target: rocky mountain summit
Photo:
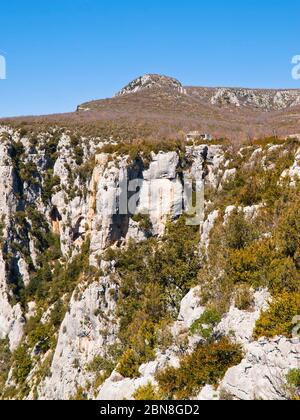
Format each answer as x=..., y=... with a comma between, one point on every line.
x=149, y=81
x=152, y=302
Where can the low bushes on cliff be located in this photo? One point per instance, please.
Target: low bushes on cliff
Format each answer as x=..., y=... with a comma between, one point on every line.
x=206, y=323
x=206, y=365
x=279, y=319
x=293, y=379
x=257, y=181
x=5, y=363
x=52, y=280
x=153, y=277
x=146, y=393
x=262, y=251
x=129, y=364
x=22, y=364
x=143, y=148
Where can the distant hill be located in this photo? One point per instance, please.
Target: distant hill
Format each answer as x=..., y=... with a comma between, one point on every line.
x=168, y=108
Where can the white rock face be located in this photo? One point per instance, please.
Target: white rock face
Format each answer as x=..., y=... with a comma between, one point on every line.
x=118, y=388
x=93, y=209
x=250, y=211
x=71, y=213
x=208, y=393
x=190, y=311
x=161, y=193
x=107, y=226
x=228, y=176
x=267, y=100
x=210, y=156
x=208, y=226
x=163, y=166
x=256, y=154
x=11, y=317
x=262, y=374
x=95, y=213
x=225, y=97
x=88, y=328
x=240, y=324
x=294, y=172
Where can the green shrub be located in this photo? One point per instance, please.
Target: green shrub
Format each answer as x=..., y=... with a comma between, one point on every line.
x=80, y=395
x=278, y=320
x=57, y=314
x=165, y=337
x=5, y=362
x=153, y=277
x=244, y=299
x=239, y=232
x=293, y=380
x=144, y=222
x=248, y=265
x=287, y=235
x=23, y=131
x=50, y=148
x=129, y=364
x=85, y=171
x=100, y=364
x=283, y=275
x=206, y=323
x=22, y=364
x=142, y=150
x=79, y=155
x=41, y=335
x=206, y=365
x=50, y=181
x=143, y=340
x=29, y=173
x=146, y=393
x=53, y=280
x=99, y=380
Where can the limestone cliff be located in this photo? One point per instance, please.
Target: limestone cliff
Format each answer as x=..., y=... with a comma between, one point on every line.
x=62, y=231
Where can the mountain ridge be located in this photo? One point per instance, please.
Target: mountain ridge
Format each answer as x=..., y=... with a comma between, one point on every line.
x=257, y=97
x=169, y=109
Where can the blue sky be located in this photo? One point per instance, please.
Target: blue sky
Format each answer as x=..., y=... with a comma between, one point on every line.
x=60, y=53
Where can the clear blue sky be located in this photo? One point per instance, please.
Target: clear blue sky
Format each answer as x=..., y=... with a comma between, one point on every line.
x=60, y=53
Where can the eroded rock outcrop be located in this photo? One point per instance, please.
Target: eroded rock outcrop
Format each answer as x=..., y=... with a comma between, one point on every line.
x=88, y=329
x=262, y=374
x=149, y=81
x=240, y=323
x=80, y=197
x=265, y=99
